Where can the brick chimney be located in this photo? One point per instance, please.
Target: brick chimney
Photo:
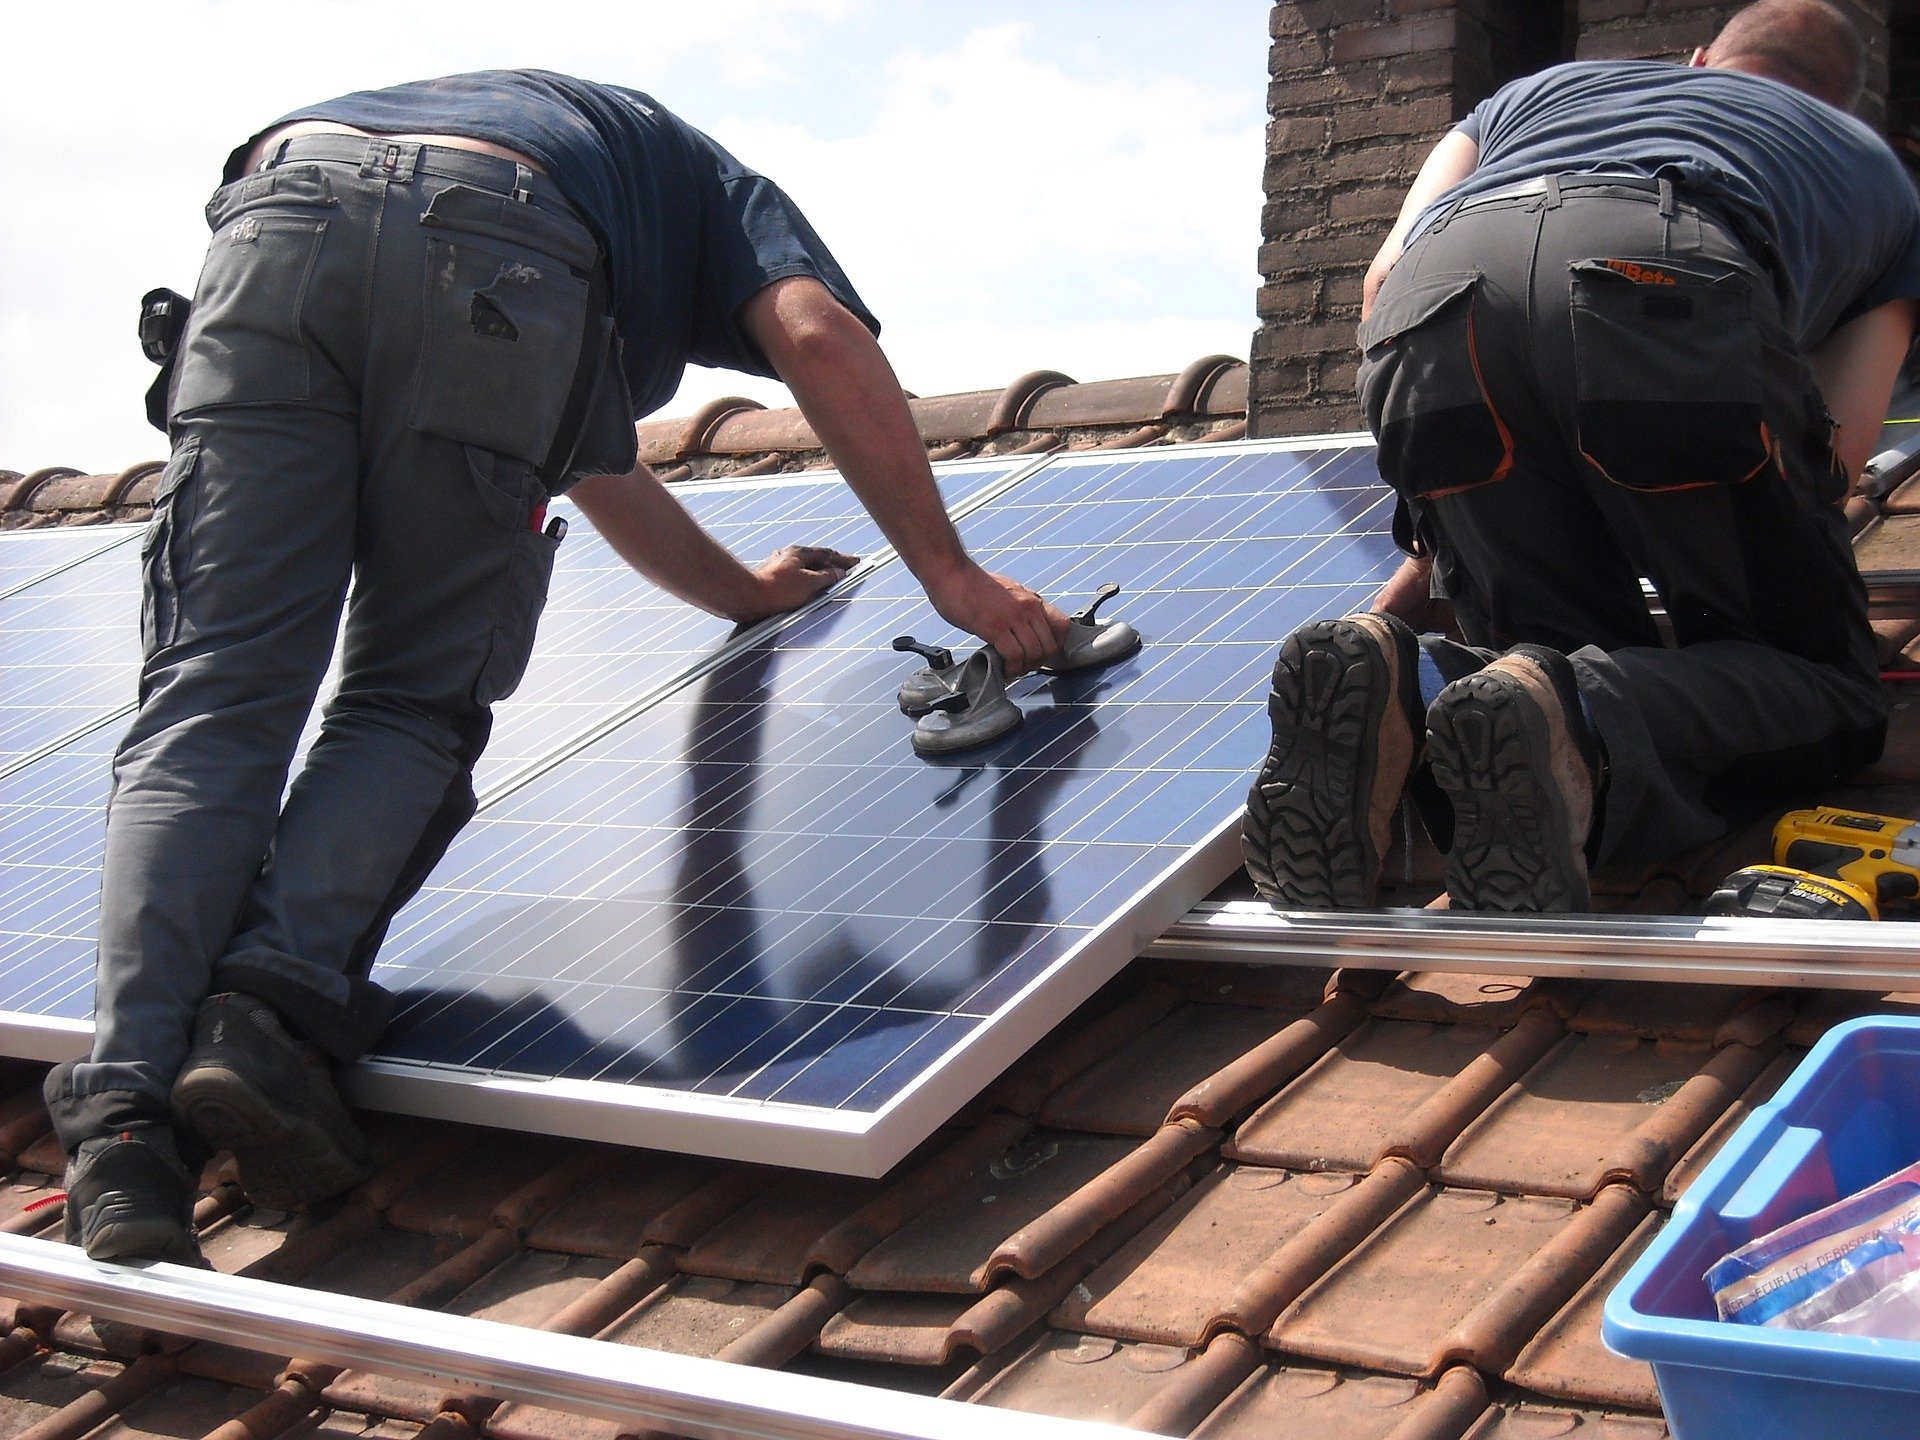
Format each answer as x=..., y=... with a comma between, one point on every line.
x=1360, y=90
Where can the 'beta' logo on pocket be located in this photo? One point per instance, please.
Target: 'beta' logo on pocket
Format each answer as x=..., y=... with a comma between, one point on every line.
x=1640, y=274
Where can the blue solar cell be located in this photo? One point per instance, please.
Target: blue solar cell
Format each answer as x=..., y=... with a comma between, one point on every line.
x=796, y=907
x=70, y=651
x=27, y=556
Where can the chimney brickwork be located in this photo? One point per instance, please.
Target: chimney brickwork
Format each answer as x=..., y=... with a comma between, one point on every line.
x=1358, y=92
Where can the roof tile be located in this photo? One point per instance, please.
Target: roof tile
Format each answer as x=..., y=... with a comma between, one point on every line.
x=1670, y=1011
x=770, y=1238
x=46, y=1384
x=1455, y=1275
x=1525, y=1420
x=1566, y=1360
x=1238, y=1087
x=187, y=1406
x=1443, y=997
x=1599, y=1108
x=1717, y=1134
x=1391, y=1087
x=1175, y=1282
x=1299, y=1400
x=953, y=1250
x=1077, y=1043
x=611, y=1214
x=1085, y=1377
x=1131, y=1091
x=697, y=1314
x=461, y=1198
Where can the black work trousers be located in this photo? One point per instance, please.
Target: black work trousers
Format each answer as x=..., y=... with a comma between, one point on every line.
x=1588, y=383
x=394, y=352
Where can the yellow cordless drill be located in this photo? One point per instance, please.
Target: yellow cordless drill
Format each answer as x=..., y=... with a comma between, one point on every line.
x=1828, y=864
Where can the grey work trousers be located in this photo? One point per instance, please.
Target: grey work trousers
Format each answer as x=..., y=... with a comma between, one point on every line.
x=393, y=349
x=1590, y=383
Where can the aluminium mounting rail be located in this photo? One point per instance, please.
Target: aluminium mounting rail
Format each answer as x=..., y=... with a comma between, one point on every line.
x=1706, y=950
x=638, y=1389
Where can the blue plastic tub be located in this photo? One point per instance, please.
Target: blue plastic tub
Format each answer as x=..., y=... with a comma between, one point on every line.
x=1848, y=1116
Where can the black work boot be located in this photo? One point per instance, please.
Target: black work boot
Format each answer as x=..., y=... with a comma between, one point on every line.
x=130, y=1198
x=1347, y=731
x=1512, y=751
x=250, y=1087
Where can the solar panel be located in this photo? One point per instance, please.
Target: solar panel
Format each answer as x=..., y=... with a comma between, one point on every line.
x=750, y=922
x=69, y=648
x=70, y=651
x=29, y=555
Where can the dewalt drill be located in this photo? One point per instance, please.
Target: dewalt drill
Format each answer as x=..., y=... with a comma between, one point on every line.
x=1828, y=865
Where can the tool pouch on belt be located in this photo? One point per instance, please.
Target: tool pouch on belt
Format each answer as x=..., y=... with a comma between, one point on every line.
x=163, y=320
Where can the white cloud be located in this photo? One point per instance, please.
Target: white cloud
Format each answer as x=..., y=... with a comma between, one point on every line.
x=1002, y=208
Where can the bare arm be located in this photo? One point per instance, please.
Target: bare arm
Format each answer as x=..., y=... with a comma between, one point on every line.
x=1856, y=367
x=651, y=531
x=1446, y=165
x=849, y=395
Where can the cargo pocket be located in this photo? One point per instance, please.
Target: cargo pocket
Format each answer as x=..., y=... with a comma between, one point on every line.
x=1423, y=391
x=1668, y=374
x=523, y=597
x=246, y=342
x=505, y=316
x=165, y=552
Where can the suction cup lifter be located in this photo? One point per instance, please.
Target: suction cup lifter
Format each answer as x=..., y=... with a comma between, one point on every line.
x=973, y=710
x=1091, y=642
x=920, y=691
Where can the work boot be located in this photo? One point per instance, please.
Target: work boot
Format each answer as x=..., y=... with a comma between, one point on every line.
x=250, y=1087
x=1513, y=752
x=1347, y=731
x=129, y=1198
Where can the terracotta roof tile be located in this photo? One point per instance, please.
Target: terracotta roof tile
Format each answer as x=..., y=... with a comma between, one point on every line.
x=1302, y=1400
x=1133, y=1089
x=46, y=1384
x=1599, y=1108
x=1236, y=1088
x=1499, y=1000
x=1086, y=1377
x=1525, y=1420
x=1567, y=1361
x=1457, y=1276
x=612, y=1213
x=187, y=1406
x=1708, y=1145
x=460, y=1199
x=1396, y=1087
x=770, y=1237
x=1175, y=1282
x=1668, y=1011
x=953, y=1251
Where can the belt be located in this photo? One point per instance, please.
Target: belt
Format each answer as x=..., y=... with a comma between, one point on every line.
x=402, y=160
x=1634, y=187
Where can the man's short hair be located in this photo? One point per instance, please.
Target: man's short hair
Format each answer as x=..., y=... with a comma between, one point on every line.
x=1808, y=44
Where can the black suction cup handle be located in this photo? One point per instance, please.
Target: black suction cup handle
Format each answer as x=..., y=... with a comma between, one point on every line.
x=952, y=704
x=936, y=656
x=1100, y=597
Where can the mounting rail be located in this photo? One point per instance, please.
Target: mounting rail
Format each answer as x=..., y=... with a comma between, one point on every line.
x=1702, y=950
x=638, y=1389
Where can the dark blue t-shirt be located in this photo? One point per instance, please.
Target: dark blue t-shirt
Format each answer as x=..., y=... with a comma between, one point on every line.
x=1784, y=169
x=689, y=232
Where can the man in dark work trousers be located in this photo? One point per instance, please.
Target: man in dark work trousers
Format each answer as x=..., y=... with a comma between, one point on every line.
x=1635, y=319
x=576, y=245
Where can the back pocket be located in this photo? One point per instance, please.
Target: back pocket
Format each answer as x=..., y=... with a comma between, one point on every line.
x=1423, y=390
x=1668, y=374
x=505, y=320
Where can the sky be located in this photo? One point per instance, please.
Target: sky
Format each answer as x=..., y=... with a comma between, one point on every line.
x=1011, y=184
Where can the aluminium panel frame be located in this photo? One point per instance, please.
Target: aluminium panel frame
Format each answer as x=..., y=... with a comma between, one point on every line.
x=1721, y=950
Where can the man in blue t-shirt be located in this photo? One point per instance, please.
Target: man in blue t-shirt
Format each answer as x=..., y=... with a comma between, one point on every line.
x=1634, y=320
x=424, y=312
